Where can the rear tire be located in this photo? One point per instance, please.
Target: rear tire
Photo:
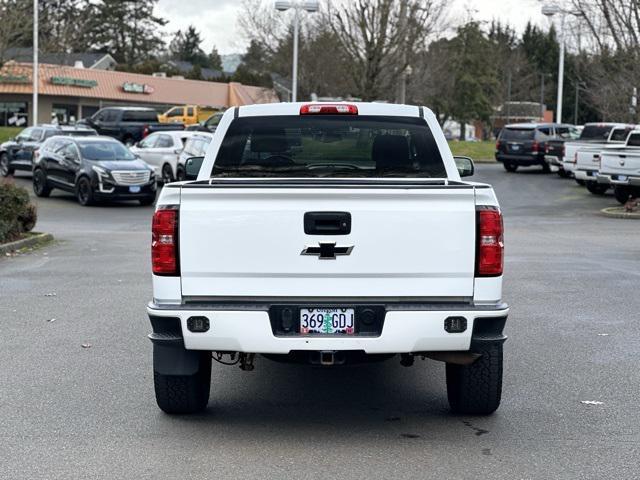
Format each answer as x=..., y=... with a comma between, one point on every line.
x=597, y=188
x=622, y=194
x=40, y=185
x=580, y=182
x=563, y=173
x=182, y=175
x=179, y=394
x=510, y=167
x=167, y=173
x=84, y=192
x=476, y=389
x=5, y=165
x=546, y=168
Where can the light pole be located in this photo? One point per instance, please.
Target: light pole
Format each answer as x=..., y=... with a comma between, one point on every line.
x=297, y=5
x=35, y=63
x=549, y=10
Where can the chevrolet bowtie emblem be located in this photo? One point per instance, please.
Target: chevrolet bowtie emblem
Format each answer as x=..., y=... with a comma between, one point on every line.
x=327, y=250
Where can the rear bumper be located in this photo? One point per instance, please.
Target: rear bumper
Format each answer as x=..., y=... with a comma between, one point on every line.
x=523, y=160
x=586, y=175
x=618, y=179
x=416, y=329
x=553, y=160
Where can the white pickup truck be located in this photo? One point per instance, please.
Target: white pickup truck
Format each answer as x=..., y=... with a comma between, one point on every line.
x=620, y=168
x=588, y=159
x=594, y=136
x=327, y=234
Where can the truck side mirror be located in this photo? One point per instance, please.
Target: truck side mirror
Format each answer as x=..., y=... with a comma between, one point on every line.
x=465, y=166
x=192, y=167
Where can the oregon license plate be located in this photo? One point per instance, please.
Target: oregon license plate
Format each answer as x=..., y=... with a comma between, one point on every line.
x=327, y=321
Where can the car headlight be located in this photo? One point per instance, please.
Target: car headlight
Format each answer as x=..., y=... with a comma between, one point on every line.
x=102, y=172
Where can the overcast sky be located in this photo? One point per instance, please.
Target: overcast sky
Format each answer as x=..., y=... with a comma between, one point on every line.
x=217, y=19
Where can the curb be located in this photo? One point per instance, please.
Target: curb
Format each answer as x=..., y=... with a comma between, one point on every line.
x=30, y=241
x=618, y=212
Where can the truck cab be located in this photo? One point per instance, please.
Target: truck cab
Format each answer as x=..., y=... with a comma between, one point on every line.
x=327, y=234
x=620, y=168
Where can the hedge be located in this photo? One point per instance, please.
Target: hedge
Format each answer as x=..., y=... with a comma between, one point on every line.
x=17, y=213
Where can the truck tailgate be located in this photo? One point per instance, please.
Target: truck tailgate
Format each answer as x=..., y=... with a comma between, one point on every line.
x=247, y=242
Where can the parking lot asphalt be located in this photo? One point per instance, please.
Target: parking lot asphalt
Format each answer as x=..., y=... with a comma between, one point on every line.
x=571, y=278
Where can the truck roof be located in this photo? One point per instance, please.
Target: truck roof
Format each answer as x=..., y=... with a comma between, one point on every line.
x=286, y=108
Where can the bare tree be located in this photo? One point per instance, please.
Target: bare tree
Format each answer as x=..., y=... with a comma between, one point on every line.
x=382, y=37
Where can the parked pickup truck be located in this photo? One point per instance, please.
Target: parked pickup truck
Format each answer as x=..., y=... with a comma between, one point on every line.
x=327, y=234
x=620, y=168
x=128, y=124
x=588, y=161
x=187, y=115
x=596, y=135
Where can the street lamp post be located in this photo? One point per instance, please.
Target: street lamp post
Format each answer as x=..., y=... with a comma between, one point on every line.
x=35, y=63
x=549, y=10
x=308, y=6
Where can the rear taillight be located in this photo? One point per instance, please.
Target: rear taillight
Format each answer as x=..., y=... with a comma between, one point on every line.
x=145, y=131
x=562, y=151
x=328, y=109
x=490, y=248
x=497, y=145
x=164, y=242
x=535, y=147
x=575, y=157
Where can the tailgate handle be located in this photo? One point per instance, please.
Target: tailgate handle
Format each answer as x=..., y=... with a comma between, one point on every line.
x=327, y=223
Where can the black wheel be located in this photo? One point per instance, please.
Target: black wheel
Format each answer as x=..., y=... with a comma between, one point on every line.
x=40, y=185
x=84, y=192
x=597, y=188
x=546, y=168
x=167, y=173
x=129, y=142
x=563, y=173
x=148, y=200
x=622, y=193
x=580, y=182
x=510, y=167
x=182, y=175
x=184, y=393
x=476, y=389
x=5, y=165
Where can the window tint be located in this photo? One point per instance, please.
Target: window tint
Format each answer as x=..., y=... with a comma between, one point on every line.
x=595, y=132
x=164, y=141
x=620, y=134
x=329, y=145
x=634, y=140
x=24, y=135
x=139, y=116
x=517, y=134
x=105, y=151
x=214, y=120
x=69, y=151
x=190, y=112
x=175, y=112
x=545, y=131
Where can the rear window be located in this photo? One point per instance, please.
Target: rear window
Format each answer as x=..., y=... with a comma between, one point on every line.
x=329, y=146
x=634, y=140
x=139, y=116
x=620, y=134
x=595, y=132
x=518, y=134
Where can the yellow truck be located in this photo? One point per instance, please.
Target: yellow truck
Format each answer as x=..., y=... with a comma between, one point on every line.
x=186, y=114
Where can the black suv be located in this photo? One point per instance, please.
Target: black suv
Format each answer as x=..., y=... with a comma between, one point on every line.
x=93, y=168
x=523, y=144
x=17, y=154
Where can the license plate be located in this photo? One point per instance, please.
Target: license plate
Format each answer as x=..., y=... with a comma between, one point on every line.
x=515, y=147
x=622, y=178
x=327, y=321
x=135, y=189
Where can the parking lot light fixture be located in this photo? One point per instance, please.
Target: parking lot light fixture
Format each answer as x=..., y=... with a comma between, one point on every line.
x=550, y=10
x=310, y=6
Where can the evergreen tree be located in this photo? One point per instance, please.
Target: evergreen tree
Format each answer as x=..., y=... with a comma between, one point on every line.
x=185, y=46
x=215, y=61
x=127, y=29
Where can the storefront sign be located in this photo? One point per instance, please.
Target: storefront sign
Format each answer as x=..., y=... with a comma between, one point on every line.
x=131, y=87
x=14, y=79
x=74, y=82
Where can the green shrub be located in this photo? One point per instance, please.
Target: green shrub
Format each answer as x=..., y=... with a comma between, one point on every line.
x=17, y=213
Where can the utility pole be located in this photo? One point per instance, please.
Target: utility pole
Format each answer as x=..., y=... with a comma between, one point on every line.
x=35, y=64
x=575, y=107
x=542, y=75
x=508, y=97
